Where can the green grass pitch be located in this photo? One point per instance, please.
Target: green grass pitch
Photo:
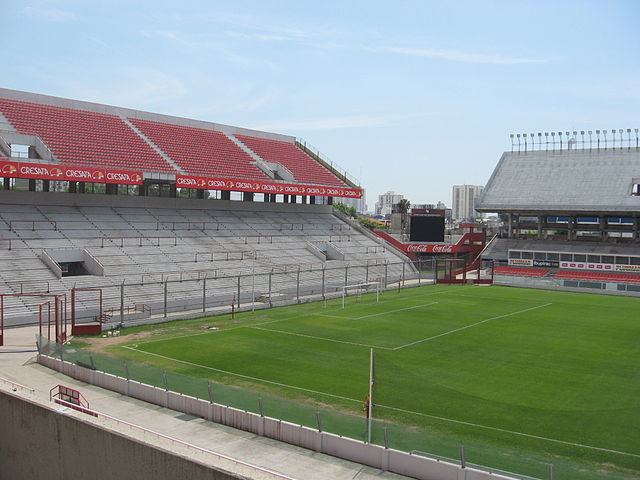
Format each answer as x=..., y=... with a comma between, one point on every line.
x=520, y=377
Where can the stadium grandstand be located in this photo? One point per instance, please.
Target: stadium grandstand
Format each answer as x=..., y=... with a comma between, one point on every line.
x=571, y=210
x=93, y=199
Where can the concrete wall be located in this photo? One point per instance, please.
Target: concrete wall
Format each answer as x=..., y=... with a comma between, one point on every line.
x=86, y=200
x=37, y=442
x=346, y=448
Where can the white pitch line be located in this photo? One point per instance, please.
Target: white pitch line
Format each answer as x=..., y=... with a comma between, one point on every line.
x=469, y=326
x=529, y=435
x=394, y=311
x=461, y=422
x=243, y=376
x=322, y=338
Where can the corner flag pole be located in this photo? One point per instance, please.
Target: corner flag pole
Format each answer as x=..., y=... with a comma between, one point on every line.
x=370, y=406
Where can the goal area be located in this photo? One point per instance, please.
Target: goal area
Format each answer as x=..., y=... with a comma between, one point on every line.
x=355, y=291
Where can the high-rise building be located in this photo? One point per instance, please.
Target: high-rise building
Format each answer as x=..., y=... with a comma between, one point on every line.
x=386, y=201
x=464, y=201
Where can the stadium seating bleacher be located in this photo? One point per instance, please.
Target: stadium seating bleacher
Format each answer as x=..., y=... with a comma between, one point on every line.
x=522, y=271
x=83, y=137
x=200, y=151
x=598, y=276
x=304, y=168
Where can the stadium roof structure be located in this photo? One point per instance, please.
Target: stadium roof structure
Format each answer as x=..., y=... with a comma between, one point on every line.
x=193, y=153
x=599, y=181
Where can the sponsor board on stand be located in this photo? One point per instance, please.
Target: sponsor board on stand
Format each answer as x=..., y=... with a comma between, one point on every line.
x=72, y=173
x=521, y=262
x=606, y=267
x=212, y=183
x=430, y=248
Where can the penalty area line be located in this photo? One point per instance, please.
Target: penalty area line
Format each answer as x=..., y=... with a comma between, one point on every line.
x=322, y=338
x=243, y=376
x=469, y=326
x=496, y=429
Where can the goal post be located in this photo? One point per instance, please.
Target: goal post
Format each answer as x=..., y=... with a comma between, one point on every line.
x=360, y=288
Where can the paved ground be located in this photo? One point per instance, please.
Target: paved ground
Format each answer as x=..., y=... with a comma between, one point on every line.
x=17, y=364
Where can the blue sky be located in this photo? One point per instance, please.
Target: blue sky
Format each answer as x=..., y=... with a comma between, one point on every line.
x=413, y=96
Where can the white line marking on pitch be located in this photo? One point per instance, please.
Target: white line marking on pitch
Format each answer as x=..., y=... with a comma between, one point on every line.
x=469, y=326
x=461, y=422
x=394, y=311
x=243, y=376
x=508, y=431
x=322, y=338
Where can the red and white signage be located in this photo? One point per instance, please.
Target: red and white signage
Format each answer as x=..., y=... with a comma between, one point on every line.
x=47, y=171
x=604, y=267
x=215, y=183
x=431, y=248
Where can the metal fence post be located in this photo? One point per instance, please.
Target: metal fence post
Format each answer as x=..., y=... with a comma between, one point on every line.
x=165, y=298
x=551, y=471
x=238, y=291
x=323, y=275
x=403, y=265
x=204, y=294
x=261, y=406
x=419, y=270
x=318, y=421
x=366, y=278
x=165, y=382
x=386, y=268
x=270, y=304
x=93, y=364
x=386, y=437
x=463, y=463
x=210, y=392
x=346, y=274
x=298, y=284
x=122, y=302
x=126, y=371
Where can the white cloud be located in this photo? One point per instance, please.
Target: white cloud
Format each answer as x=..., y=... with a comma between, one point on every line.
x=457, y=56
x=341, y=122
x=48, y=14
x=130, y=87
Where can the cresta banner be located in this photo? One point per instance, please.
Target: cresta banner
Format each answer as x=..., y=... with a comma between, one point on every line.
x=212, y=183
x=48, y=171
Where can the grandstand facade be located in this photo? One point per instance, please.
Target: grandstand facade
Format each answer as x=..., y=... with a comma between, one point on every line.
x=113, y=200
x=569, y=213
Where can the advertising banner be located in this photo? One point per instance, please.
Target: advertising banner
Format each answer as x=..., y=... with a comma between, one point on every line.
x=259, y=186
x=72, y=173
x=605, y=267
x=522, y=262
x=440, y=248
x=546, y=263
x=9, y=169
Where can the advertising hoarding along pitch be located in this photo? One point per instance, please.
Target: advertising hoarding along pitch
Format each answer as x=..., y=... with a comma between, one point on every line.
x=72, y=173
x=259, y=186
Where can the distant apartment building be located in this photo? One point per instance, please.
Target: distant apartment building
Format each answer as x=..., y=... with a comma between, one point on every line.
x=386, y=201
x=464, y=202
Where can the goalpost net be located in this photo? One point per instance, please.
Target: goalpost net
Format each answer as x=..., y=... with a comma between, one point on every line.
x=357, y=290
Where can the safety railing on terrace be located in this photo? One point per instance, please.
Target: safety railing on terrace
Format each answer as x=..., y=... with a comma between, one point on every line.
x=310, y=149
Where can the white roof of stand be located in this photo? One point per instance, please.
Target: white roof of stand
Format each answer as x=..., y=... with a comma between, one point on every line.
x=564, y=181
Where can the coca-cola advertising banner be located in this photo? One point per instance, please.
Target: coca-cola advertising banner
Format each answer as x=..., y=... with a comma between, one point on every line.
x=431, y=248
x=212, y=183
x=46, y=171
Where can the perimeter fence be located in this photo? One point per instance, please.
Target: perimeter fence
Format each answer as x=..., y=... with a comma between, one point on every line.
x=249, y=285
x=391, y=428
